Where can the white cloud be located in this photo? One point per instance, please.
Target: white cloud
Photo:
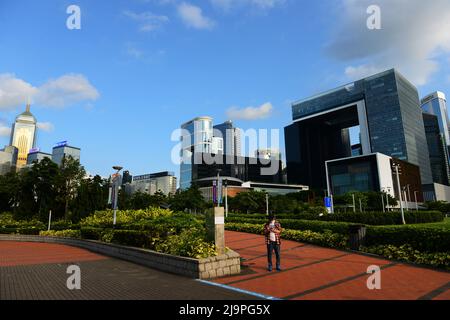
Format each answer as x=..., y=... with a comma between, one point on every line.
x=193, y=16
x=66, y=90
x=147, y=21
x=250, y=113
x=14, y=91
x=45, y=126
x=227, y=5
x=414, y=38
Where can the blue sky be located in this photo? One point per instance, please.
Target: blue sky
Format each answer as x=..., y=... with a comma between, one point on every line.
x=137, y=69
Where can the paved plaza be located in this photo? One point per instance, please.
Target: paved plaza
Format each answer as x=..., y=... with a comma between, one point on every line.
x=37, y=271
x=316, y=273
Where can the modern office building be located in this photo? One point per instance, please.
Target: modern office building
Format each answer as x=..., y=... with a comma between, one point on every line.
x=63, y=150
x=232, y=138
x=8, y=159
x=437, y=149
x=374, y=172
x=23, y=135
x=386, y=109
x=235, y=187
x=196, y=137
x=36, y=155
x=164, y=182
x=436, y=104
x=204, y=171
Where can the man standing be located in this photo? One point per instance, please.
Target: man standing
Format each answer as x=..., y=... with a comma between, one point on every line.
x=272, y=231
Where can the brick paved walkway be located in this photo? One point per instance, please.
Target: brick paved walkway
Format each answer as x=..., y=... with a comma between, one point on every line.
x=37, y=271
x=315, y=273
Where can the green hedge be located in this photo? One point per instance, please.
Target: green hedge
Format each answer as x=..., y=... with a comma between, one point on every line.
x=295, y=224
x=423, y=238
x=420, y=238
x=370, y=218
x=326, y=238
x=407, y=253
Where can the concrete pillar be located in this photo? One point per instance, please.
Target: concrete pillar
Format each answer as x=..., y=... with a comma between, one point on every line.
x=215, y=225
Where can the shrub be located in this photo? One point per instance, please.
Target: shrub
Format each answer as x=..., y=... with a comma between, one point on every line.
x=418, y=237
x=408, y=254
x=105, y=218
x=189, y=243
x=61, y=233
x=295, y=224
x=326, y=238
x=370, y=218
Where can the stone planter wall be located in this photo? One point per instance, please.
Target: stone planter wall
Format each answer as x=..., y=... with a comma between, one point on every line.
x=209, y=268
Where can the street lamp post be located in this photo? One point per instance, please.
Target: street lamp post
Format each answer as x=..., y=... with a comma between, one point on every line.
x=219, y=187
x=226, y=198
x=396, y=168
x=115, y=187
x=415, y=198
x=354, y=204
x=387, y=198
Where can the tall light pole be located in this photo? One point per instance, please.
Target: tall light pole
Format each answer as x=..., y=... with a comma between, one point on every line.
x=226, y=198
x=115, y=188
x=354, y=204
x=415, y=198
x=267, y=204
x=387, y=197
x=219, y=188
x=396, y=168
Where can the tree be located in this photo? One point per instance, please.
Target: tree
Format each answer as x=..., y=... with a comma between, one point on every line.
x=69, y=178
x=190, y=199
x=9, y=186
x=45, y=173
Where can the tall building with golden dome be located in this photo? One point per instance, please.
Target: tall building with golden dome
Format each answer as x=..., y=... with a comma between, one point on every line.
x=23, y=135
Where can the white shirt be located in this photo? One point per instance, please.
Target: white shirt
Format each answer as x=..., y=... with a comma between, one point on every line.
x=272, y=234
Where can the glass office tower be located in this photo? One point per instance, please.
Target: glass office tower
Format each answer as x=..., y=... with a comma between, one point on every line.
x=436, y=104
x=23, y=135
x=196, y=137
x=231, y=138
x=385, y=106
x=437, y=149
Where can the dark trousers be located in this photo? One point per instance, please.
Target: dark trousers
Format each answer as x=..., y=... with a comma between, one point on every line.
x=273, y=246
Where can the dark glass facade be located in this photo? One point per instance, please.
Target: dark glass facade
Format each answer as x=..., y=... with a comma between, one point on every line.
x=437, y=149
x=242, y=168
x=354, y=174
x=394, y=124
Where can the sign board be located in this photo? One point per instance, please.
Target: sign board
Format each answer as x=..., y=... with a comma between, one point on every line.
x=327, y=203
x=220, y=220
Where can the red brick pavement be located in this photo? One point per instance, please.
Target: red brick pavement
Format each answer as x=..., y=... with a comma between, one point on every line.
x=315, y=273
x=30, y=253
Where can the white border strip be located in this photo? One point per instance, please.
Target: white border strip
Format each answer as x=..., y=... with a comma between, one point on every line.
x=224, y=286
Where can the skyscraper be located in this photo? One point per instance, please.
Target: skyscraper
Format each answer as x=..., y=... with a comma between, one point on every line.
x=436, y=104
x=23, y=135
x=8, y=159
x=63, y=150
x=385, y=106
x=196, y=137
x=231, y=138
x=437, y=149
